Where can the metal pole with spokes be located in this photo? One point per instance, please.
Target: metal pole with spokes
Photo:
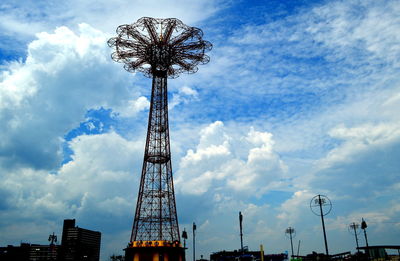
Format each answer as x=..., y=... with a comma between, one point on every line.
x=324, y=205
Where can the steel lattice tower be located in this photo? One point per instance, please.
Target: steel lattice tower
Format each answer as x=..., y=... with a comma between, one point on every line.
x=161, y=49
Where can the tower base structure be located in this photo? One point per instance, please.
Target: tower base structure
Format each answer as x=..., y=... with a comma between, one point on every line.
x=154, y=251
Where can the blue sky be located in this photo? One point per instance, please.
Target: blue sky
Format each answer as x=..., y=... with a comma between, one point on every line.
x=300, y=98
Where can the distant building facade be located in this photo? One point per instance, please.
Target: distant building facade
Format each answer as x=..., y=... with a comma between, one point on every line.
x=10, y=253
x=43, y=252
x=77, y=244
x=29, y=252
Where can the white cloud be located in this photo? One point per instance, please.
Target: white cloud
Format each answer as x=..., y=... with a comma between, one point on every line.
x=23, y=19
x=189, y=91
x=100, y=164
x=291, y=211
x=133, y=107
x=217, y=165
x=98, y=180
x=64, y=75
x=342, y=27
x=359, y=139
x=184, y=95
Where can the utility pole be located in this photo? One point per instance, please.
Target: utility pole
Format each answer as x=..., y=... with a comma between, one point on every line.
x=353, y=227
x=298, y=249
x=194, y=241
x=241, y=231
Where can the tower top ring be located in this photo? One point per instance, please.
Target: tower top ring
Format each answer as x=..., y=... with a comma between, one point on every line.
x=152, y=45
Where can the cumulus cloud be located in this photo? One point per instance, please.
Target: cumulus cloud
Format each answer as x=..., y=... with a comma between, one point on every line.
x=292, y=209
x=133, y=107
x=41, y=99
x=91, y=173
x=251, y=165
x=98, y=180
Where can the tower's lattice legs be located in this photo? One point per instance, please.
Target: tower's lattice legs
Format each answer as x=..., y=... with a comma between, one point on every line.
x=156, y=217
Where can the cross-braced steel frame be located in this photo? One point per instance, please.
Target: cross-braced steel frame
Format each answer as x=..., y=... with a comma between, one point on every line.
x=161, y=49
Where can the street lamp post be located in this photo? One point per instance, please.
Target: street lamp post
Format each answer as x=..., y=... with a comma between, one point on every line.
x=363, y=227
x=184, y=236
x=52, y=239
x=291, y=232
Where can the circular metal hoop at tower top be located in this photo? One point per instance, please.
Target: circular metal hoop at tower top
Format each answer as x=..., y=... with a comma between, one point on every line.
x=354, y=228
x=153, y=46
x=290, y=231
x=320, y=205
